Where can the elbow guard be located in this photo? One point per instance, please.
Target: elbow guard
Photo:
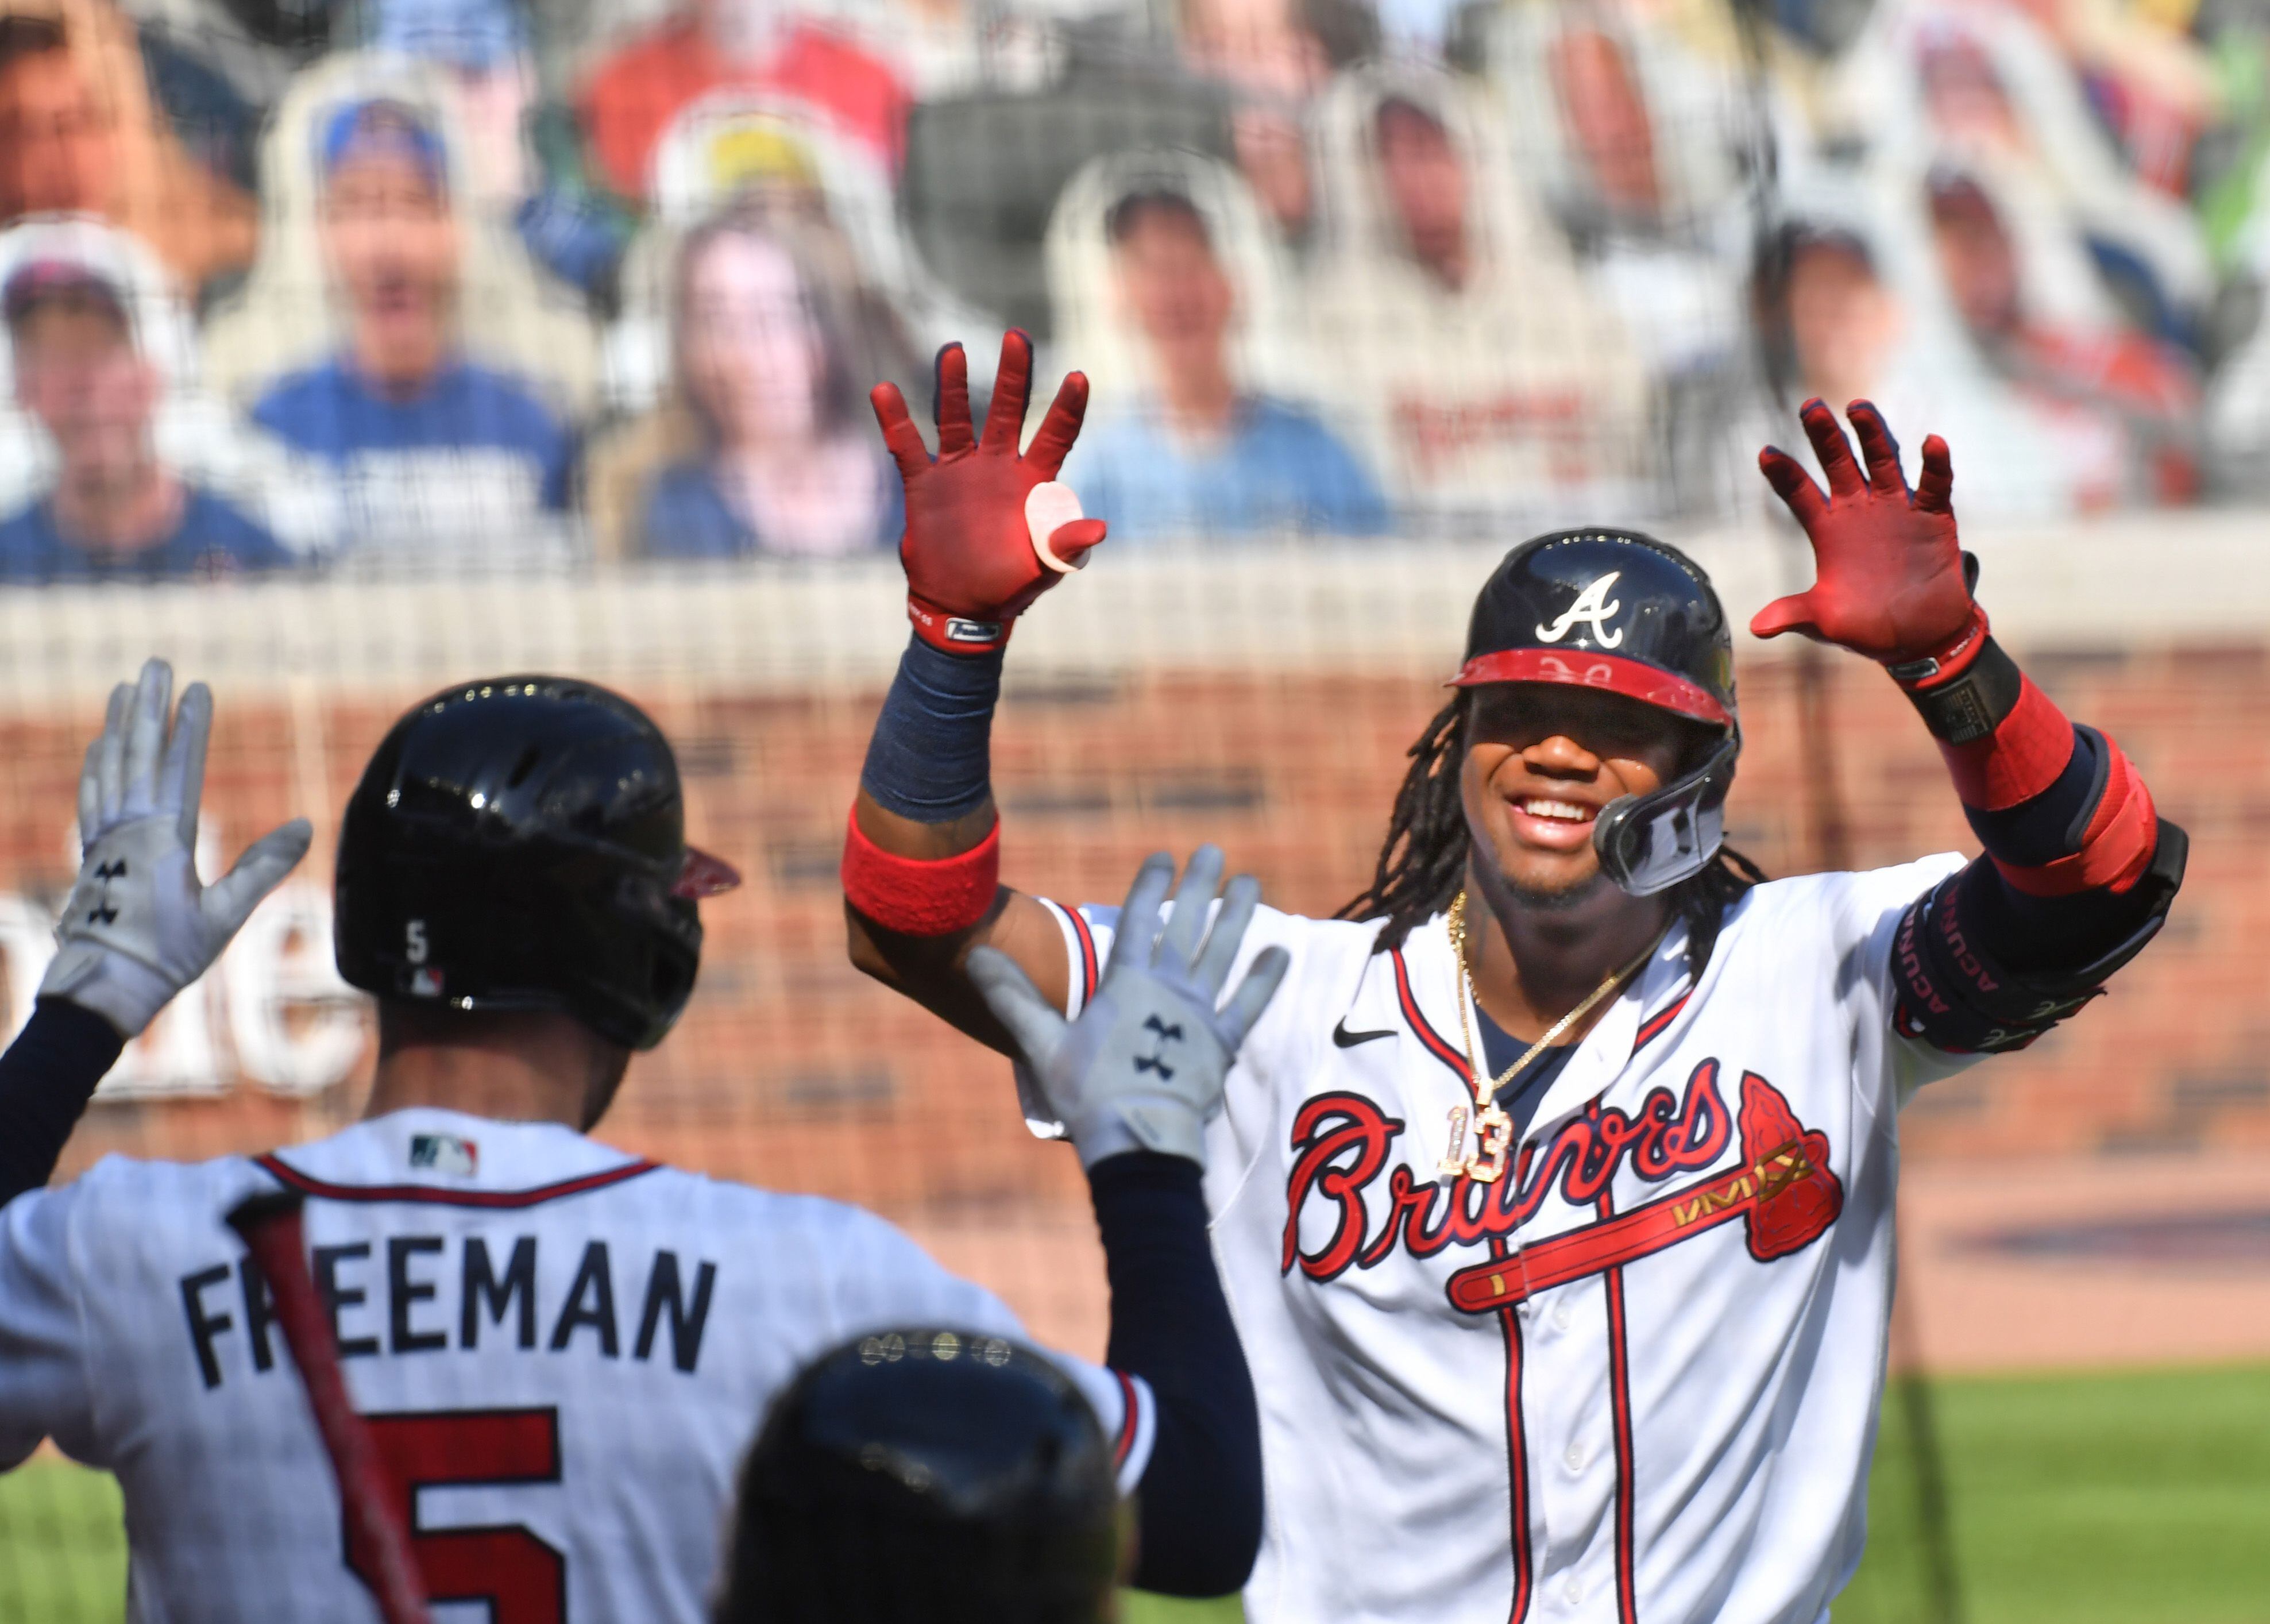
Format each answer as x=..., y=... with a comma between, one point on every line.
x=1954, y=993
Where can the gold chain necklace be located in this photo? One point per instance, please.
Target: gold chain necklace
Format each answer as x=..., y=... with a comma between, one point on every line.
x=1492, y=1124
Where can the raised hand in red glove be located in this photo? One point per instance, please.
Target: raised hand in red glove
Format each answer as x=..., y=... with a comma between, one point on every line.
x=988, y=529
x=1890, y=574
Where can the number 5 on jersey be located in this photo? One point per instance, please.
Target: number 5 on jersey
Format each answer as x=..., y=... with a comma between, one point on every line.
x=523, y=1578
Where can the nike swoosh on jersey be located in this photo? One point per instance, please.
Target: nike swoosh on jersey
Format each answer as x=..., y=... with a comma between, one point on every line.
x=1345, y=1039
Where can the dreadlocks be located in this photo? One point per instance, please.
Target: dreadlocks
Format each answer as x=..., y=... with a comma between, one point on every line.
x=1422, y=862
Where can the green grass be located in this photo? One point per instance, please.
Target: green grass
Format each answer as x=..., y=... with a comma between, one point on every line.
x=63, y=1547
x=2124, y=1499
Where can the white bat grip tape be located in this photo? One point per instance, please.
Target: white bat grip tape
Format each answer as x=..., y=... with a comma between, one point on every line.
x=1047, y=508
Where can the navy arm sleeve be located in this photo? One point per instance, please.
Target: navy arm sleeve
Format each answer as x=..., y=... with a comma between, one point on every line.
x=1200, y=1498
x=47, y=1076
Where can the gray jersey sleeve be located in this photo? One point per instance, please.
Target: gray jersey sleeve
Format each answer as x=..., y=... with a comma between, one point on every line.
x=45, y=1390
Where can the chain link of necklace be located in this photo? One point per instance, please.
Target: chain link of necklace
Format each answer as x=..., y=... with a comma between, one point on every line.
x=1491, y=1123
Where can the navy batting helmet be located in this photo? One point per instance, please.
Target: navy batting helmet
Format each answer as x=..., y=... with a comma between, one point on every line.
x=520, y=843
x=1617, y=610
x=926, y=1477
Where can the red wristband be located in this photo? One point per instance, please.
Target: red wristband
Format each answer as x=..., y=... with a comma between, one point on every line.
x=917, y=896
x=956, y=633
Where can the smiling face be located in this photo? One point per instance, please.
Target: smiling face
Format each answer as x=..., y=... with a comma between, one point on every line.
x=1607, y=117
x=391, y=240
x=1542, y=760
x=57, y=149
x=78, y=373
x=1425, y=178
x=751, y=353
x=1172, y=283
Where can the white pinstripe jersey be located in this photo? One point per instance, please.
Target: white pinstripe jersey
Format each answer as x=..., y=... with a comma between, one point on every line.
x=1636, y=1378
x=564, y=1351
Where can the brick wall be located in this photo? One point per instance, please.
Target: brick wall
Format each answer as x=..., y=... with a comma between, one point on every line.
x=792, y=1071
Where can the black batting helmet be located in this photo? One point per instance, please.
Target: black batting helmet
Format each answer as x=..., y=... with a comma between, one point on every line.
x=520, y=843
x=1618, y=610
x=926, y=1477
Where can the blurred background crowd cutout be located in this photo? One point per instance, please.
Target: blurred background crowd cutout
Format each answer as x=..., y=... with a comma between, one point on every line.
x=476, y=285
x=355, y=347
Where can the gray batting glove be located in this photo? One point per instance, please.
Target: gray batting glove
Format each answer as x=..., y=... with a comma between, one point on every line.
x=1144, y=1066
x=139, y=926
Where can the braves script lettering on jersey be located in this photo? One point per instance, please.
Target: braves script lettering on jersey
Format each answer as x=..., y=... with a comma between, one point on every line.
x=1636, y=1379
x=563, y=1350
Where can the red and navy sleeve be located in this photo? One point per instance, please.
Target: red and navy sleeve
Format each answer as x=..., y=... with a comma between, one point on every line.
x=2078, y=872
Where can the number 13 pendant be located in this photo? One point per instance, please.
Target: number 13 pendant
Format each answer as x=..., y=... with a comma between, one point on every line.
x=1493, y=1143
x=1454, y=1158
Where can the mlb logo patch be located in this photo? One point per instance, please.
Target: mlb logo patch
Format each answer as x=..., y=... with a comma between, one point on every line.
x=445, y=1152
x=425, y=982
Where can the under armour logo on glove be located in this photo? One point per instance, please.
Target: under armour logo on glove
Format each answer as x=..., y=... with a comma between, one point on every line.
x=103, y=912
x=1165, y=1034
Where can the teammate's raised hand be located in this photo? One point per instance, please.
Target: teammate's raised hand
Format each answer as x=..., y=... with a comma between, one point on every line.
x=1890, y=581
x=138, y=925
x=989, y=529
x=1144, y=1066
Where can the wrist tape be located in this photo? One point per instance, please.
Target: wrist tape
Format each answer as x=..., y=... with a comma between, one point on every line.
x=1964, y=688
x=918, y=896
x=953, y=634
x=2006, y=742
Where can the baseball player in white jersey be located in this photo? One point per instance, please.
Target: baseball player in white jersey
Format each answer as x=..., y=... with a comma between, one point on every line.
x=1554, y=1196
x=561, y=1351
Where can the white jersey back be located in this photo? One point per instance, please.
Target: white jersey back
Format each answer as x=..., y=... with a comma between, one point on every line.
x=564, y=1351
x=1637, y=1377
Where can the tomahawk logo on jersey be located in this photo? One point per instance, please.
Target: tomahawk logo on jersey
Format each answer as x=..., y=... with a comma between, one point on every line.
x=1634, y=1373
x=561, y=1351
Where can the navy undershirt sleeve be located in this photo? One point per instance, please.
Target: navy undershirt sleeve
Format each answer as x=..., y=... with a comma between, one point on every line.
x=47, y=1076
x=1200, y=1497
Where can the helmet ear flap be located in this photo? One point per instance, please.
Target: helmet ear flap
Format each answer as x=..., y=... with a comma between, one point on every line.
x=1648, y=843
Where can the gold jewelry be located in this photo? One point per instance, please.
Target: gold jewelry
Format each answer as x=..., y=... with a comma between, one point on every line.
x=1492, y=1125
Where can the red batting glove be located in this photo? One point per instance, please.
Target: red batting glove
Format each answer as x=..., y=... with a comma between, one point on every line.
x=973, y=558
x=1890, y=579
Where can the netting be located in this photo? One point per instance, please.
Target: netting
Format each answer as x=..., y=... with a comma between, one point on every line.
x=352, y=351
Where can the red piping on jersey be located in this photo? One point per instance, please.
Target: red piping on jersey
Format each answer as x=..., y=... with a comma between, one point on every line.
x=1517, y=1452
x=1434, y=1040
x=429, y=1195
x=1086, y=954
x=1620, y=1403
x=1651, y=1028
x=1128, y=1410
